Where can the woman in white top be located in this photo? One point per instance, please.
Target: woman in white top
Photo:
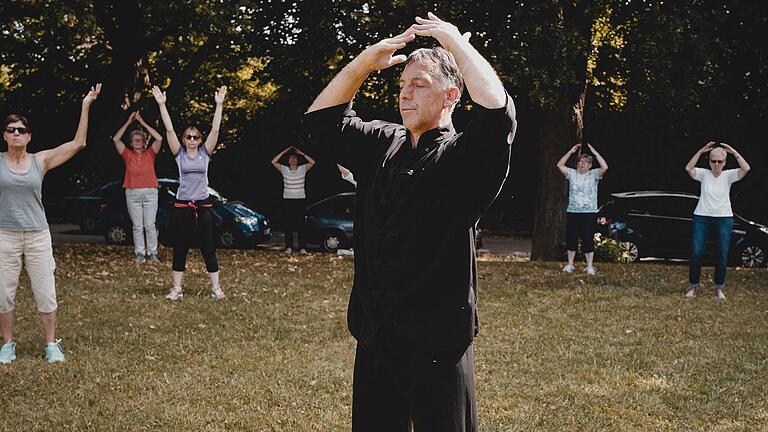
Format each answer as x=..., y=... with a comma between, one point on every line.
x=294, y=197
x=713, y=211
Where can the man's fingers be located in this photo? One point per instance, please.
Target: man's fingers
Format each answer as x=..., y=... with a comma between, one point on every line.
x=398, y=59
x=467, y=35
x=433, y=17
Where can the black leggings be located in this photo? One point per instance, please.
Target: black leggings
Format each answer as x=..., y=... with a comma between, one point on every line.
x=580, y=225
x=188, y=230
x=294, y=221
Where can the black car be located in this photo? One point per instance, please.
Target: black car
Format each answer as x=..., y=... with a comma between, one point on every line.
x=237, y=225
x=330, y=223
x=658, y=224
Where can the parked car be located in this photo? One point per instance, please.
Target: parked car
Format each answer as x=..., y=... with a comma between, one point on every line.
x=658, y=224
x=237, y=225
x=84, y=210
x=330, y=223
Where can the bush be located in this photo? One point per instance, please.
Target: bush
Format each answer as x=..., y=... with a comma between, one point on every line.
x=608, y=250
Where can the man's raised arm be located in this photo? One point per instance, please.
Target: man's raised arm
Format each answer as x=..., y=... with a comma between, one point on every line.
x=376, y=57
x=484, y=86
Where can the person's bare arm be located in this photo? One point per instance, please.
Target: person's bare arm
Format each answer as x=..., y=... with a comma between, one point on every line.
x=378, y=56
x=213, y=136
x=173, y=140
x=275, y=160
x=603, y=164
x=158, y=139
x=483, y=85
x=561, y=163
x=743, y=165
x=50, y=159
x=310, y=162
x=690, y=167
x=117, y=138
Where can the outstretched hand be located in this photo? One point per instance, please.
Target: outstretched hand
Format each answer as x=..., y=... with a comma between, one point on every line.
x=445, y=32
x=728, y=149
x=92, y=95
x=381, y=54
x=221, y=93
x=575, y=148
x=159, y=95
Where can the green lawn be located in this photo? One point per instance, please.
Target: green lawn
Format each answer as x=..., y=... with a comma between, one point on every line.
x=619, y=351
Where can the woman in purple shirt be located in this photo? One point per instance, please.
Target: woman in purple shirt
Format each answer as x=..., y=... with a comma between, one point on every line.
x=193, y=211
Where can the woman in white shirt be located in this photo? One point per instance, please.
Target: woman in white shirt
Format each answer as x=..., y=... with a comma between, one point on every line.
x=294, y=197
x=713, y=211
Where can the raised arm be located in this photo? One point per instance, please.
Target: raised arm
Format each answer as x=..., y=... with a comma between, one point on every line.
x=603, y=164
x=310, y=162
x=484, y=86
x=158, y=139
x=173, y=140
x=743, y=165
x=561, y=163
x=117, y=138
x=213, y=136
x=278, y=156
x=690, y=167
x=50, y=159
x=343, y=86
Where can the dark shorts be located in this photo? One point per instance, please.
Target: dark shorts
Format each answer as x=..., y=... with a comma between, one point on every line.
x=580, y=226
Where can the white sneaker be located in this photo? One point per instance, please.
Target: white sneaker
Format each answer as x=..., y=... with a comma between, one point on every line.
x=568, y=268
x=590, y=270
x=691, y=293
x=175, y=294
x=719, y=295
x=218, y=294
x=8, y=352
x=303, y=252
x=288, y=251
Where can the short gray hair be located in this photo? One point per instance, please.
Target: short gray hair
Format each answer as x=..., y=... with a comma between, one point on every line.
x=140, y=133
x=442, y=65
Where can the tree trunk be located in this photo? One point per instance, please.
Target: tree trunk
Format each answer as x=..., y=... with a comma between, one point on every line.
x=560, y=128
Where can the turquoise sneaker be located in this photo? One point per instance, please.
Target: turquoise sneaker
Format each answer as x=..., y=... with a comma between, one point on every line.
x=53, y=352
x=8, y=352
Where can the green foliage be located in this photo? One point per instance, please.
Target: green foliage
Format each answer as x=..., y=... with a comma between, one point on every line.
x=608, y=250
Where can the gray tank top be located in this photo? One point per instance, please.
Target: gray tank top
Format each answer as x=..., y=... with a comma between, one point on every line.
x=21, y=198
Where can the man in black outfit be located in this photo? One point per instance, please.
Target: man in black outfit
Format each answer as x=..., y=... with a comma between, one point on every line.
x=421, y=188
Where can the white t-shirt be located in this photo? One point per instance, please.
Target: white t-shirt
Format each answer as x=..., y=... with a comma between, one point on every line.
x=293, y=182
x=715, y=198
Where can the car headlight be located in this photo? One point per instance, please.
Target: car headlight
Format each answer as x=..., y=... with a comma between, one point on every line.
x=247, y=220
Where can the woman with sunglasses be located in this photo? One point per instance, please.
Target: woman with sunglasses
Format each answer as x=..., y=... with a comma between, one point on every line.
x=140, y=184
x=713, y=211
x=193, y=215
x=24, y=228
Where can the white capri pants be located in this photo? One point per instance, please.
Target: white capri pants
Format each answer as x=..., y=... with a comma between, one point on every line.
x=35, y=247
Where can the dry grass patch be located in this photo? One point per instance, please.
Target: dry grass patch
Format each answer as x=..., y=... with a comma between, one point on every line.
x=619, y=351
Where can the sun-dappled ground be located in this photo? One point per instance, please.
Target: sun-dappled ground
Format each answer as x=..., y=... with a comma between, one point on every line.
x=619, y=351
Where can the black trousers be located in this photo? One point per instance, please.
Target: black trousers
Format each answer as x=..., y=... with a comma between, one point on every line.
x=188, y=230
x=580, y=225
x=293, y=210
x=433, y=392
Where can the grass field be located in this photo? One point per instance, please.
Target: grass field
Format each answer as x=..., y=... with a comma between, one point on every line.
x=619, y=351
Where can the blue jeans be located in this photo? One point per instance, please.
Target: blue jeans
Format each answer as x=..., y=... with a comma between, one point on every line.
x=723, y=227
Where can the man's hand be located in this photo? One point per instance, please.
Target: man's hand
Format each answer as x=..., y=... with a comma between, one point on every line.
x=92, y=95
x=445, y=33
x=707, y=147
x=728, y=149
x=381, y=55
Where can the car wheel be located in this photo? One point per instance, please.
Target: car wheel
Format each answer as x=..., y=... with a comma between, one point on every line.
x=228, y=238
x=117, y=235
x=332, y=241
x=752, y=256
x=88, y=225
x=630, y=252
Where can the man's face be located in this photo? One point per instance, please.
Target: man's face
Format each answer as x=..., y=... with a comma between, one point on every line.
x=422, y=98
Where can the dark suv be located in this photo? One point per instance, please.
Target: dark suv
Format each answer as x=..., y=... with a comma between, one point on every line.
x=658, y=224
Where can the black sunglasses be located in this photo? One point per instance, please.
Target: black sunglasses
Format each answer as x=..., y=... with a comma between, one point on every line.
x=192, y=137
x=11, y=129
